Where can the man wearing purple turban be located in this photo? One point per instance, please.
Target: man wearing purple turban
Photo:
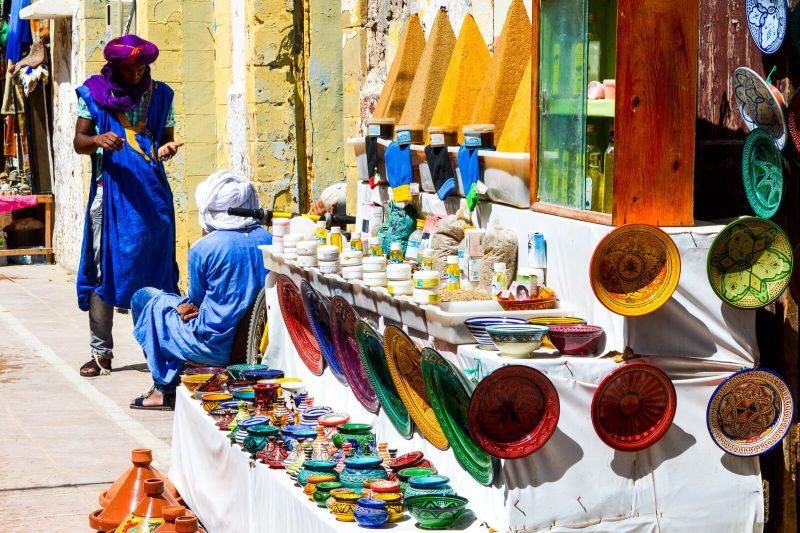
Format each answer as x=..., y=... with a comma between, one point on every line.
x=126, y=124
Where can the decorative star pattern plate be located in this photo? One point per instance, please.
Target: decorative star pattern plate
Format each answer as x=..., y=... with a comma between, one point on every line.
x=762, y=173
x=294, y=315
x=345, y=319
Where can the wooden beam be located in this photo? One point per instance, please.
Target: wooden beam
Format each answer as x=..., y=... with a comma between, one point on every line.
x=534, y=180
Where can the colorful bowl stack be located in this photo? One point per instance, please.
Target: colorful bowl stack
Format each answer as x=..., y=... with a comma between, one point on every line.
x=351, y=263
x=328, y=259
x=399, y=279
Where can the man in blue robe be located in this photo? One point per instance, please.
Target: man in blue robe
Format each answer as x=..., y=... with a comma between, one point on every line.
x=126, y=124
x=226, y=273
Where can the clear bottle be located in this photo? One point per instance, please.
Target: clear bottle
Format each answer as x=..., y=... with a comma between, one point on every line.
x=415, y=242
x=595, y=176
x=396, y=253
x=499, y=279
x=356, y=244
x=608, y=172
x=375, y=247
x=452, y=275
x=321, y=233
x=427, y=259
x=336, y=237
x=593, y=38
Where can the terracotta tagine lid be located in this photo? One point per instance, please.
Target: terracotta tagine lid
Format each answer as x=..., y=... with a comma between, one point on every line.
x=149, y=514
x=126, y=502
x=170, y=513
x=135, y=475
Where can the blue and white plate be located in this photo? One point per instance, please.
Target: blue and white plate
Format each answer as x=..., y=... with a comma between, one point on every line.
x=477, y=327
x=767, y=20
x=758, y=107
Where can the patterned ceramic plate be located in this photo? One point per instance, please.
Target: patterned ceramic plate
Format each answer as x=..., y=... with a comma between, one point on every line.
x=635, y=269
x=757, y=105
x=449, y=393
x=513, y=412
x=767, y=20
x=345, y=319
x=317, y=310
x=373, y=357
x=750, y=263
x=762, y=173
x=402, y=358
x=750, y=412
x=793, y=111
x=634, y=407
x=294, y=315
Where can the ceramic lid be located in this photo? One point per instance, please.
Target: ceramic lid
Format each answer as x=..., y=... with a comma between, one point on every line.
x=294, y=315
x=363, y=461
x=315, y=464
x=355, y=428
x=267, y=373
x=334, y=419
x=406, y=460
x=253, y=421
x=428, y=482
x=384, y=486
x=415, y=471
x=372, y=503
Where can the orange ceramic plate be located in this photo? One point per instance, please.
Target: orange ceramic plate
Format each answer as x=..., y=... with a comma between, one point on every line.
x=635, y=269
x=403, y=360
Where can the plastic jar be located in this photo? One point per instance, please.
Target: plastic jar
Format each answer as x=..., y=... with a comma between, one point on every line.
x=306, y=261
x=426, y=296
x=307, y=248
x=374, y=264
x=427, y=279
x=351, y=258
x=280, y=227
x=400, y=287
x=375, y=279
x=277, y=245
x=396, y=272
x=329, y=267
x=328, y=253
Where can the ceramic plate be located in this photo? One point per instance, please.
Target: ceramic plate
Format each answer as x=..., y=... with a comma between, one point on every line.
x=750, y=263
x=449, y=393
x=373, y=358
x=634, y=407
x=758, y=106
x=635, y=269
x=750, y=412
x=767, y=20
x=318, y=313
x=793, y=111
x=402, y=358
x=513, y=412
x=294, y=315
x=762, y=173
x=345, y=319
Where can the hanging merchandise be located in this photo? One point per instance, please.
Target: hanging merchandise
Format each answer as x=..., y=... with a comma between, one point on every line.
x=758, y=105
x=767, y=21
x=398, y=227
x=19, y=31
x=762, y=173
x=476, y=137
x=399, y=171
x=372, y=160
x=444, y=177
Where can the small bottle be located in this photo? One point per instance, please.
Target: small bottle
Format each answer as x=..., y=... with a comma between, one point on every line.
x=321, y=233
x=375, y=247
x=427, y=259
x=598, y=183
x=415, y=242
x=499, y=279
x=356, y=244
x=336, y=237
x=396, y=253
x=608, y=172
x=452, y=274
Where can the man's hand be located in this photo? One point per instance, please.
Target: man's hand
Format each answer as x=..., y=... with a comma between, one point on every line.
x=109, y=141
x=188, y=311
x=168, y=150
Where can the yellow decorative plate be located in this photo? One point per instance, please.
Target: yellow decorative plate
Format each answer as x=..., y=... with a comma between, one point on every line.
x=635, y=269
x=403, y=360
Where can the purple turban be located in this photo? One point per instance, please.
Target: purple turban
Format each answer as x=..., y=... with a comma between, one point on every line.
x=108, y=89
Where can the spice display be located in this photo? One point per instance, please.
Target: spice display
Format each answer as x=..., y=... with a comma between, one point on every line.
x=398, y=82
x=499, y=246
x=464, y=295
x=512, y=53
x=464, y=78
x=427, y=85
x=517, y=133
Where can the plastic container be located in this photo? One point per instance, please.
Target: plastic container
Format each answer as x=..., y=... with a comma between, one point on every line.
x=306, y=248
x=375, y=247
x=425, y=296
x=290, y=256
x=321, y=233
x=352, y=274
x=350, y=269
x=291, y=240
x=374, y=264
x=374, y=279
x=328, y=253
x=336, y=237
x=280, y=227
x=507, y=177
x=356, y=244
x=306, y=261
x=427, y=279
x=351, y=258
x=396, y=253
x=453, y=273
x=277, y=244
x=398, y=272
x=499, y=279
x=329, y=267
x=427, y=259
x=400, y=287
x=415, y=242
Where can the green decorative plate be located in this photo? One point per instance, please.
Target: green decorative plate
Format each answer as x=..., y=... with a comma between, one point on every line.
x=373, y=357
x=762, y=173
x=750, y=263
x=449, y=392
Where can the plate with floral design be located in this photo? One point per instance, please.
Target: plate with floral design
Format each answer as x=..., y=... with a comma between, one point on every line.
x=345, y=319
x=750, y=263
x=762, y=173
x=294, y=315
x=767, y=20
x=758, y=106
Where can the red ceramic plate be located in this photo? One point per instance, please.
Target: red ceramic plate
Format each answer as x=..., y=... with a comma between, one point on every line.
x=294, y=315
x=513, y=412
x=634, y=407
x=405, y=461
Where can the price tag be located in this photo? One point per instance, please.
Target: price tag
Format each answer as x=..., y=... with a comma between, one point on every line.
x=472, y=140
x=374, y=130
x=437, y=139
x=404, y=137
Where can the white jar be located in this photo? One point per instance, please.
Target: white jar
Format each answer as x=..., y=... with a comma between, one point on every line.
x=290, y=255
x=353, y=273
x=398, y=272
x=306, y=261
x=426, y=296
x=280, y=227
x=375, y=279
x=427, y=279
x=328, y=253
x=307, y=248
x=400, y=287
x=329, y=267
x=351, y=258
x=277, y=245
x=374, y=264
x=292, y=239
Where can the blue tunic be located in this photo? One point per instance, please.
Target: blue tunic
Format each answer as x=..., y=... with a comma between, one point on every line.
x=138, y=243
x=226, y=273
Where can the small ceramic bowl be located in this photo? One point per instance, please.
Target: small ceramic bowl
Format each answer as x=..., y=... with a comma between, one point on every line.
x=576, y=339
x=371, y=513
x=343, y=505
x=477, y=327
x=195, y=380
x=212, y=401
x=236, y=372
x=552, y=321
x=436, y=512
x=209, y=370
x=323, y=492
x=517, y=340
x=262, y=373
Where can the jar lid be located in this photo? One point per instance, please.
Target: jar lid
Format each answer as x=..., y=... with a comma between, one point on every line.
x=374, y=276
x=478, y=128
x=371, y=503
x=322, y=224
x=427, y=274
x=396, y=246
x=382, y=121
x=355, y=428
x=347, y=255
x=526, y=271
x=402, y=284
x=428, y=482
x=410, y=127
x=375, y=240
x=374, y=260
x=293, y=238
x=336, y=229
x=355, y=235
x=398, y=269
x=280, y=221
x=328, y=249
x=385, y=486
x=427, y=252
x=443, y=129
x=420, y=223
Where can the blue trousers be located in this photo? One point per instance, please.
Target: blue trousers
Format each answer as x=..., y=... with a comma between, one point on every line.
x=138, y=302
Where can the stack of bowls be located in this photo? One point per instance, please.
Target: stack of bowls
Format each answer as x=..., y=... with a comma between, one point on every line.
x=477, y=327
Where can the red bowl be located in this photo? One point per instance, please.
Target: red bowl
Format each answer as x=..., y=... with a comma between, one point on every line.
x=575, y=339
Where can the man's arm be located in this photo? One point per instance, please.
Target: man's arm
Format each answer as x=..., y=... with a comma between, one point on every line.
x=86, y=143
x=169, y=147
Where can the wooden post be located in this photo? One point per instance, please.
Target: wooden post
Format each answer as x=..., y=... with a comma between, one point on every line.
x=535, y=44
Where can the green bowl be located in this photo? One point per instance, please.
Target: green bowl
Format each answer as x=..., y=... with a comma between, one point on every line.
x=434, y=511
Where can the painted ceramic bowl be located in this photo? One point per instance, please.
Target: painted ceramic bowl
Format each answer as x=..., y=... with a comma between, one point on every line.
x=201, y=395
x=194, y=381
x=436, y=512
x=262, y=373
x=323, y=492
x=576, y=339
x=343, y=504
x=332, y=420
x=404, y=475
x=207, y=370
x=212, y=402
x=432, y=484
x=362, y=433
x=316, y=468
x=554, y=320
x=517, y=340
x=313, y=481
x=236, y=372
x=361, y=468
x=477, y=327
x=370, y=512
x=534, y=304
x=394, y=504
x=243, y=393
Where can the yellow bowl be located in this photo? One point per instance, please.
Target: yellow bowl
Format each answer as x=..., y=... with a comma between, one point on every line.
x=192, y=382
x=212, y=402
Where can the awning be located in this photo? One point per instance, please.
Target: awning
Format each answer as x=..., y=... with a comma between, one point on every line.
x=48, y=9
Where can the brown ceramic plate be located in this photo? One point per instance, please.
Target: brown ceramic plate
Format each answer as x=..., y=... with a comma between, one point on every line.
x=294, y=315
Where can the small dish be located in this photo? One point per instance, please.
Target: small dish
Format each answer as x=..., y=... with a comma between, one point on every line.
x=517, y=340
x=477, y=328
x=436, y=512
x=534, y=304
x=575, y=339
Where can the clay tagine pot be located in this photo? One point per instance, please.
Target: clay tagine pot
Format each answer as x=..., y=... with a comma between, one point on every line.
x=128, y=505
x=170, y=513
x=135, y=475
x=149, y=514
x=188, y=524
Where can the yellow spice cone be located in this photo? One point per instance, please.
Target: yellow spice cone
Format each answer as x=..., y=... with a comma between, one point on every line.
x=432, y=68
x=517, y=133
x=512, y=53
x=464, y=78
x=401, y=75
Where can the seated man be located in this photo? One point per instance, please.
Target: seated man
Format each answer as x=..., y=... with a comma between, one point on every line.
x=226, y=273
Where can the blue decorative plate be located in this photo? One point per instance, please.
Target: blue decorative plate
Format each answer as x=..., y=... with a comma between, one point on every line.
x=317, y=310
x=767, y=20
x=758, y=107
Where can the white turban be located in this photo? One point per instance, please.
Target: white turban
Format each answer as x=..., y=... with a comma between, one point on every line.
x=335, y=196
x=220, y=191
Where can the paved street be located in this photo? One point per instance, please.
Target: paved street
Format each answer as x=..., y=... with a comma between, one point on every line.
x=64, y=438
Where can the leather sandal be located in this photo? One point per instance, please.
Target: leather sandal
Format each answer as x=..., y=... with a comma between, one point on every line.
x=167, y=403
x=98, y=366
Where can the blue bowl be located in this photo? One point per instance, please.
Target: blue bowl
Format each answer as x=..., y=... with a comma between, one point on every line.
x=289, y=431
x=517, y=340
x=263, y=373
x=477, y=327
x=254, y=421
